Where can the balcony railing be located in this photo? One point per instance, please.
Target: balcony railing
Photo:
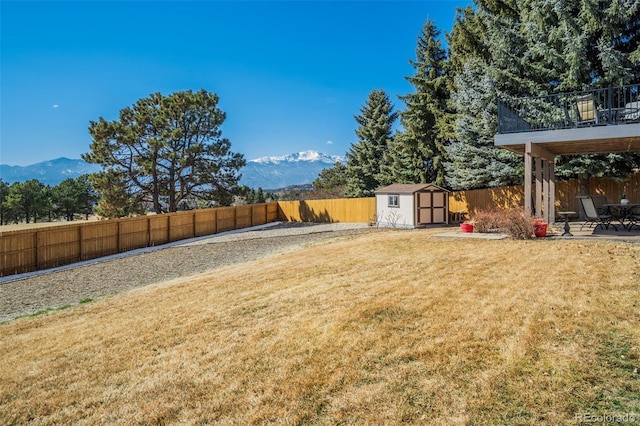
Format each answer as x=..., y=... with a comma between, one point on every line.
x=598, y=107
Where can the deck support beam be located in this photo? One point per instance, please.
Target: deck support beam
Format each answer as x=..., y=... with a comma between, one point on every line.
x=528, y=166
x=545, y=182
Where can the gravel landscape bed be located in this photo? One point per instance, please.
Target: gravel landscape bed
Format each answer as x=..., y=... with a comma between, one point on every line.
x=53, y=289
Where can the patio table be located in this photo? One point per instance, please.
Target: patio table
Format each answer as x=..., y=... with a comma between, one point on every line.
x=567, y=228
x=620, y=212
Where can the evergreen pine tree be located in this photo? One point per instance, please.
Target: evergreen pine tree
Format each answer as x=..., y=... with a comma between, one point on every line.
x=421, y=142
x=374, y=134
x=474, y=160
x=584, y=45
x=396, y=165
x=507, y=49
x=332, y=177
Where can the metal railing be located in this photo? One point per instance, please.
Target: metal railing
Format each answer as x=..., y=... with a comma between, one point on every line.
x=597, y=107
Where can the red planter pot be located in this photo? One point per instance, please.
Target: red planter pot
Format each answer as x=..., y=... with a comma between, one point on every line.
x=540, y=229
x=466, y=228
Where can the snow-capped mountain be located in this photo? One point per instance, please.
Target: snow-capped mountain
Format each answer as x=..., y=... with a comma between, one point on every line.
x=266, y=172
x=293, y=169
x=309, y=155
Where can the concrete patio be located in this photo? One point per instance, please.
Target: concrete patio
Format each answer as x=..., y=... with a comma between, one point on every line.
x=555, y=233
x=598, y=233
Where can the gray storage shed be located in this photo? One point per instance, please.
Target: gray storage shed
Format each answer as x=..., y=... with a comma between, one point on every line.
x=412, y=205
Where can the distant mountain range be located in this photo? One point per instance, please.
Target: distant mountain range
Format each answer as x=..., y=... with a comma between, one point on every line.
x=50, y=172
x=293, y=169
x=266, y=172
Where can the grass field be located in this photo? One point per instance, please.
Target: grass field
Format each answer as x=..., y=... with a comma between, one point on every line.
x=385, y=328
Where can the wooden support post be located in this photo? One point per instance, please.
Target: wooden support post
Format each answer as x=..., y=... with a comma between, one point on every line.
x=539, y=177
x=528, y=165
x=547, y=198
x=552, y=191
x=539, y=151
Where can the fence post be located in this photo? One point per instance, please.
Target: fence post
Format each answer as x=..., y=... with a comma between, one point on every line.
x=81, y=241
x=119, y=237
x=37, y=248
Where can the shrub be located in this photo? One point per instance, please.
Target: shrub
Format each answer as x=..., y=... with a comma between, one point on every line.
x=518, y=225
x=513, y=222
x=487, y=221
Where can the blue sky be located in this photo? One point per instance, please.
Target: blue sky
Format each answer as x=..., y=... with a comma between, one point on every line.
x=290, y=75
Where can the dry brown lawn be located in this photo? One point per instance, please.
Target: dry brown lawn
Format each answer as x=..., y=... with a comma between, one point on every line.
x=386, y=328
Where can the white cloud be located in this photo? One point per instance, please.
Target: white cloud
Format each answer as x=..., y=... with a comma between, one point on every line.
x=55, y=106
x=329, y=142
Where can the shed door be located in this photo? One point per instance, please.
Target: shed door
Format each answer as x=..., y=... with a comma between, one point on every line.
x=432, y=207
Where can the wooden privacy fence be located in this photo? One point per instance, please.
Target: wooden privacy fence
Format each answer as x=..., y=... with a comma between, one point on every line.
x=40, y=248
x=566, y=191
x=332, y=210
x=479, y=199
x=364, y=209
x=33, y=249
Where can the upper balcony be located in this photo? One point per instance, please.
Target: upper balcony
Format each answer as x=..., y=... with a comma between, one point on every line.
x=593, y=121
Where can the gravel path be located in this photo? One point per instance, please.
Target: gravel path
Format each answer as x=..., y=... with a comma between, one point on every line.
x=52, y=289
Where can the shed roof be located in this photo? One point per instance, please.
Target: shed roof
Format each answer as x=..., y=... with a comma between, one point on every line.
x=408, y=188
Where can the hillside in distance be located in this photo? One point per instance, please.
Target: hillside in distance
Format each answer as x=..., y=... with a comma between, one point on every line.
x=266, y=172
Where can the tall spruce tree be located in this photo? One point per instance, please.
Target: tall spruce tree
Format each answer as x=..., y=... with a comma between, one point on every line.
x=473, y=159
x=420, y=146
x=374, y=133
x=584, y=45
x=533, y=48
x=396, y=165
x=610, y=35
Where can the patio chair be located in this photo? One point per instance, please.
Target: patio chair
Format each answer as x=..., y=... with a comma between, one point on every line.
x=599, y=201
x=634, y=217
x=631, y=111
x=588, y=113
x=593, y=217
